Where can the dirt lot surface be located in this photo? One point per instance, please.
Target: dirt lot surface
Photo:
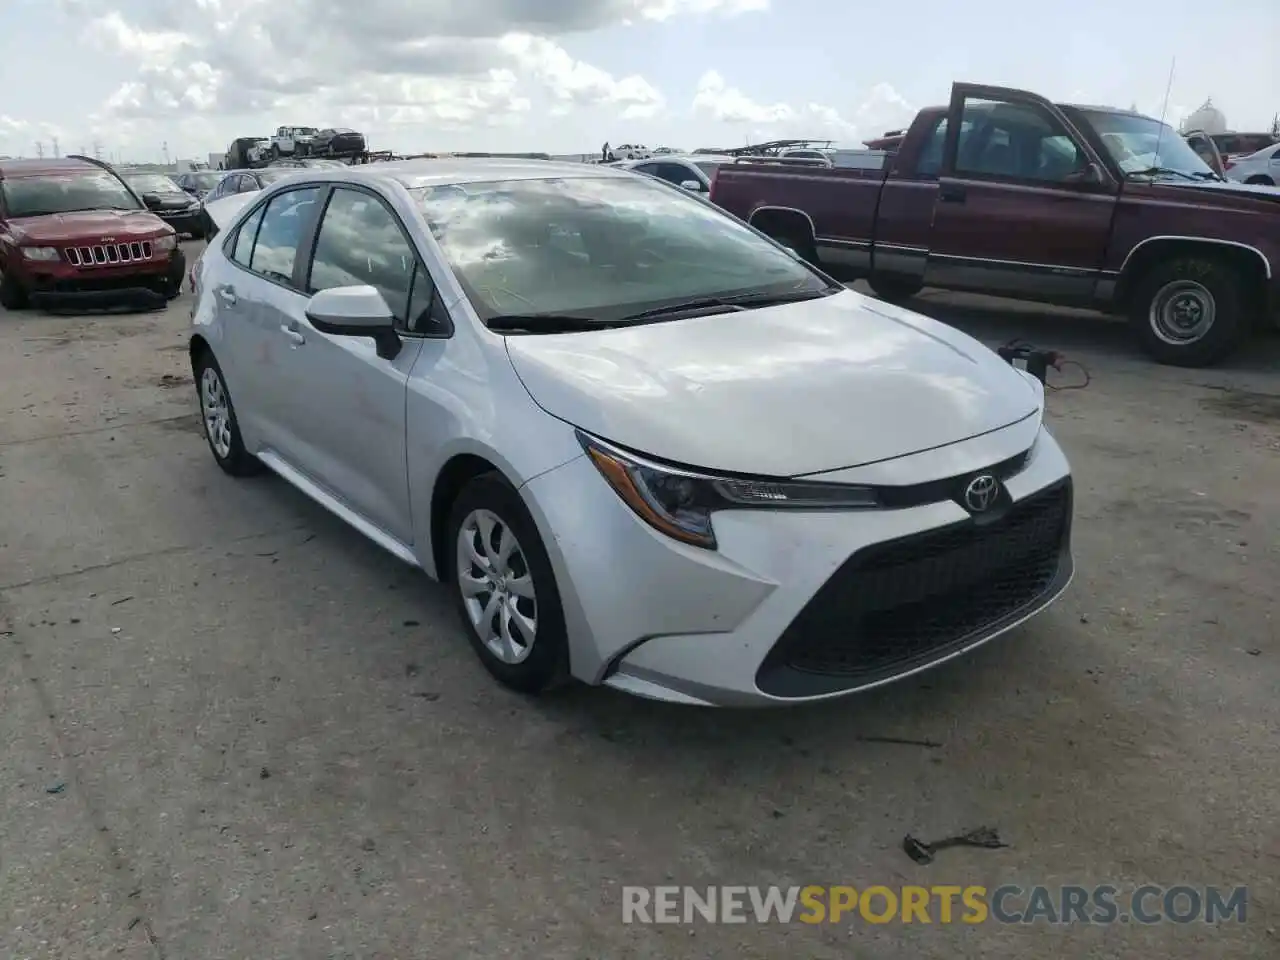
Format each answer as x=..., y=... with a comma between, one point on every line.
x=234, y=729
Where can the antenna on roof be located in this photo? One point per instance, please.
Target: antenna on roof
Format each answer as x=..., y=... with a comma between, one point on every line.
x=1155, y=159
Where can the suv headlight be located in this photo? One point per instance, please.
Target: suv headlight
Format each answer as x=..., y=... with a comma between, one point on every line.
x=166, y=243
x=680, y=502
x=41, y=254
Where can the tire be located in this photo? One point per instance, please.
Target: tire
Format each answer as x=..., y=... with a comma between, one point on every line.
x=13, y=295
x=275, y=151
x=893, y=289
x=1190, y=311
x=489, y=503
x=228, y=451
x=1261, y=181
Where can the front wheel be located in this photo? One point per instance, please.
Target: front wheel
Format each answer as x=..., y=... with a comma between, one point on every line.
x=13, y=295
x=505, y=589
x=1190, y=312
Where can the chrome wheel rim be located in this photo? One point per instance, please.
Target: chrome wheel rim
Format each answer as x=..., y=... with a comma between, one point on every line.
x=1182, y=312
x=496, y=586
x=216, y=411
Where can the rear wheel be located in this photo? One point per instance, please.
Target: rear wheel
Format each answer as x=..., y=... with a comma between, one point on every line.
x=13, y=295
x=893, y=289
x=218, y=415
x=1191, y=311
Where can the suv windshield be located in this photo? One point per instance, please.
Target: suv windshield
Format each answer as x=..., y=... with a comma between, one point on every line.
x=66, y=193
x=1138, y=144
x=151, y=183
x=602, y=249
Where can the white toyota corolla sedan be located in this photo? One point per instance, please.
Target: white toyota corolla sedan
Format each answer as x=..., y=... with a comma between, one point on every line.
x=644, y=445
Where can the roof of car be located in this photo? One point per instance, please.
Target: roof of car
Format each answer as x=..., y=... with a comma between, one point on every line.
x=446, y=170
x=687, y=157
x=14, y=169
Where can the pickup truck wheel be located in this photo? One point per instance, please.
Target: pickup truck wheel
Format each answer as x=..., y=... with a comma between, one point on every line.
x=13, y=296
x=894, y=290
x=1190, y=312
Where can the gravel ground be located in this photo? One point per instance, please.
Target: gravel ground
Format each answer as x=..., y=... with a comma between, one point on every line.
x=235, y=729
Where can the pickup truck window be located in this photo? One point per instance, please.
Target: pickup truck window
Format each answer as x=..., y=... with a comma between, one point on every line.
x=1139, y=143
x=1018, y=141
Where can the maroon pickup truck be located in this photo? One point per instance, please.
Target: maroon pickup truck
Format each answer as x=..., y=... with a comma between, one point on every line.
x=1007, y=194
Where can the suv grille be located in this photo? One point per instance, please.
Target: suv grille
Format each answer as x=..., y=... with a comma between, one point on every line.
x=109, y=253
x=896, y=605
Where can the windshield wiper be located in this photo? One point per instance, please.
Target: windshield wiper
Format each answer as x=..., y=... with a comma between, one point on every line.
x=546, y=323
x=742, y=302
x=1162, y=172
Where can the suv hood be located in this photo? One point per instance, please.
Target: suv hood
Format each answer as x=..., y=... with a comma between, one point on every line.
x=91, y=226
x=780, y=391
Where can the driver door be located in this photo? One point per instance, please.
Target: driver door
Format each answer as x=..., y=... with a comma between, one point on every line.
x=1024, y=205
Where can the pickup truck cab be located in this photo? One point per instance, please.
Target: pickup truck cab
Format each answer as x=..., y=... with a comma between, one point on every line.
x=1004, y=193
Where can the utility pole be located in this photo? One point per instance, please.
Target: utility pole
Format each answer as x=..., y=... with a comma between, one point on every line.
x=165, y=146
x=55, y=147
x=40, y=149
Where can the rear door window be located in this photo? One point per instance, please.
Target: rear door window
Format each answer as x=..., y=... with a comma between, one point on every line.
x=283, y=227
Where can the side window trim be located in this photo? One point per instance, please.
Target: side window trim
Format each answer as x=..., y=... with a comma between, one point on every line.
x=305, y=242
x=419, y=261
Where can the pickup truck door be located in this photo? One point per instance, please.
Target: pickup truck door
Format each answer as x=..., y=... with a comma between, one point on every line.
x=1024, y=204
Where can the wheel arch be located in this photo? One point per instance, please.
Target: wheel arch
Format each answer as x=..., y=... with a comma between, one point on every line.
x=459, y=470
x=785, y=221
x=1251, y=261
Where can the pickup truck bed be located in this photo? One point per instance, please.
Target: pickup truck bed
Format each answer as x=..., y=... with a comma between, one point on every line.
x=1004, y=193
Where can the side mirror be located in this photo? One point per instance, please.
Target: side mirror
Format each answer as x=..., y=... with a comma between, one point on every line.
x=358, y=311
x=1088, y=174
x=152, y=199
x=693, y=186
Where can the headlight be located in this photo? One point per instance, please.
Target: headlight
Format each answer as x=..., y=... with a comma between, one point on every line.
x=680, y=503
x=165, y=244
x=42, y=254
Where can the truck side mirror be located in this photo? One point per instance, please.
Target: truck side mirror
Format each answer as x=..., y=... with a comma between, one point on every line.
x=1088, y=174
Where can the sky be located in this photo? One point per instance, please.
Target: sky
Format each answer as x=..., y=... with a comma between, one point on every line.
x=136, y=77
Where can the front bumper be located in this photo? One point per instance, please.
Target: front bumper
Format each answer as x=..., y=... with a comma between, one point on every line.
x=798, y=607
x=137, y=286
x=189, y=220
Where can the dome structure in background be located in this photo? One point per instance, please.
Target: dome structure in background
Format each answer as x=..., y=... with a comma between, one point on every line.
x=1207, y=118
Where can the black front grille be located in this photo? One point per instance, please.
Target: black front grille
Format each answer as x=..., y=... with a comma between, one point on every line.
x=897, y=605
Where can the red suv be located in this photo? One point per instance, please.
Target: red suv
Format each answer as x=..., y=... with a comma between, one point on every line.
x=73, y=234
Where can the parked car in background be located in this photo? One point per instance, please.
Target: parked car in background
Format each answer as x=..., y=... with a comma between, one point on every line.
x=248, y=181
x=441, y=353
x=199, y=182
x=1261, y=168
x=312, y=163
x=1233, y=145
x=74, y=235
x=169, y=202
x=693, y=173
x=337, y=142
x=290, y=141
x=1005, y=193
x=630, y=151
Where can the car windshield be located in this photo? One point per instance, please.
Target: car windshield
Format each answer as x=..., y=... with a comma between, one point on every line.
x=151, y=183
x=66, y=193
x=1138, y=144
x=602, y=249
x=709, y=167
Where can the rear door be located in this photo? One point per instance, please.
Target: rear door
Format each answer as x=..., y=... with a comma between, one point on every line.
x=1024, y=205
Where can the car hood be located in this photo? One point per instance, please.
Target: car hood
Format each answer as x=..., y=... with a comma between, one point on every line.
x=1231, y=188
x=781, y=391
x=91, y=226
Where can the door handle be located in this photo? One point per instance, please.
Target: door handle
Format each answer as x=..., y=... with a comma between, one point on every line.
x=294, y=335
x=228, y=295
x=952, y=193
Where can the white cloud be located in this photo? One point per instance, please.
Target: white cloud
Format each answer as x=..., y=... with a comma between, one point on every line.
x=716, y=100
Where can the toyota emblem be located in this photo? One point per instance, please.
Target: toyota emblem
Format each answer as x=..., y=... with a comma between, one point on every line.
x=980, y=495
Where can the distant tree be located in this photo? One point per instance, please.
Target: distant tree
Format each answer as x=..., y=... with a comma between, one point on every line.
x=1275, y=125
